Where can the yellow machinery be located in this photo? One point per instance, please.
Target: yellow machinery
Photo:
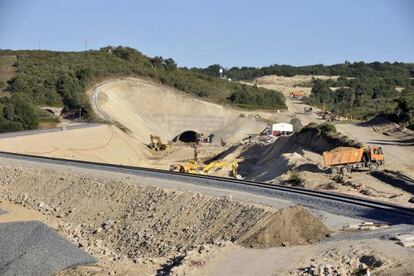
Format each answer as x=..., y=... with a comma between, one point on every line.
x=156, y=143
x=218, y=164
x=189, y=167
x=194, y=167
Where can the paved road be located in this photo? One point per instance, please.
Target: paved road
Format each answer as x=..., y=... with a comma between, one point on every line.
x=49, y=130
x=98, y=110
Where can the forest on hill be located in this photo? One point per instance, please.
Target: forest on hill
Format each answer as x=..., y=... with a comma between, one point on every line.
x=362, y=90
x=61, y=78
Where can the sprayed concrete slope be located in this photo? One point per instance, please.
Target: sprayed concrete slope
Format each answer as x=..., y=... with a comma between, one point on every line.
x=146, y=108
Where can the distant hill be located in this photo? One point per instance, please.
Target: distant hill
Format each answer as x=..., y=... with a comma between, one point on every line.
x=397, y=73
x=61, y=79
x=362, y=90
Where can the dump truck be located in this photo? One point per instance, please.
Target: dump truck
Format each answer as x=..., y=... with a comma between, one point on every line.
x=344, y=159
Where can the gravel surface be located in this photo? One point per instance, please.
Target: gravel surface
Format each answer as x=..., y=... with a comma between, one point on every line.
x=32, y=248
x=343, y=208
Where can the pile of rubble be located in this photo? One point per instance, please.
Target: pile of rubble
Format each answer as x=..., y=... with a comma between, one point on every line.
x=355, y=261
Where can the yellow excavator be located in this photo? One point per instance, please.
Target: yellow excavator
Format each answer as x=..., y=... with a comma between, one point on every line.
x=189, y=167
x=156, y=143
x=194, y=167
x=218, y=164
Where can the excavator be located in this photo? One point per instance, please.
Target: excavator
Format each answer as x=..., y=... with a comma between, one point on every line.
x=189, y=167
x=218, y=164
x=156, y=143
x=194, y=167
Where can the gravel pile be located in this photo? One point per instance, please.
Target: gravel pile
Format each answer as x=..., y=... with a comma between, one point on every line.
x=32, y=248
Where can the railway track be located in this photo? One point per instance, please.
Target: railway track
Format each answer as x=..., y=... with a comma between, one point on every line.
x=331, y=202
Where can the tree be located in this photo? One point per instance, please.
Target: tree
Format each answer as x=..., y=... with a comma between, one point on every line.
x=170, y=64
x=405, y=106
x=20, y=113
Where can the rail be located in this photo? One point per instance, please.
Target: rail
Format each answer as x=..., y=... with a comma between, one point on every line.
x=332, y=202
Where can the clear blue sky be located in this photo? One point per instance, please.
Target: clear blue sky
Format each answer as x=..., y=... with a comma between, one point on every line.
x=228, y=32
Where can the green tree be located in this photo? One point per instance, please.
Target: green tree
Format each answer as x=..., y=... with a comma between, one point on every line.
x=405, y=108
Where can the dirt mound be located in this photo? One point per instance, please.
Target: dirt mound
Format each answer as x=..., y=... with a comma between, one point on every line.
x=266, y=162
x=381, y=124
x=289, y=226
x=311, y=138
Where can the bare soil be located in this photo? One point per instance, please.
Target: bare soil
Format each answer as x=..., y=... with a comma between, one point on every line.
x=127, y=223
x=289, y=226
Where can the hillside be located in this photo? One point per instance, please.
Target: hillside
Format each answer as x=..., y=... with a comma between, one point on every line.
x=359, y=90
x=61, y=79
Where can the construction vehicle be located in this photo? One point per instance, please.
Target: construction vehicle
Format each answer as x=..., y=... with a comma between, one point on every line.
x=308, y=109
x=189, y=167
x=297, y=95
x=194, y=167
x=344, y=159
x=156, y=143
x=218, y=164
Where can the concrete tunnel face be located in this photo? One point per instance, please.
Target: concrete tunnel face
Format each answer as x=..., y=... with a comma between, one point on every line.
x=188, y=136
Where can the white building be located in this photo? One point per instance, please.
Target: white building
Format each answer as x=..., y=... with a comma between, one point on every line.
x=282, y=129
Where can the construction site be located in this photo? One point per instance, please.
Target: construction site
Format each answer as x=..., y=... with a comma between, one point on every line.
x=162, y=203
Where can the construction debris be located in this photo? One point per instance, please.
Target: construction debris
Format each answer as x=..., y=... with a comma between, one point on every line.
x=365, y=225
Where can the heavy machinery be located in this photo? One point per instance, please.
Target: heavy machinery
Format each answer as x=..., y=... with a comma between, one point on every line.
x=297, y=94
x=189, y=167
x=344, y=159
x=194, y=167
x=218, y=164
x=156, y=143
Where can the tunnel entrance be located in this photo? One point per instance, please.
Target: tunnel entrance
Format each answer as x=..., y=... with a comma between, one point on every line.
x=188, y=136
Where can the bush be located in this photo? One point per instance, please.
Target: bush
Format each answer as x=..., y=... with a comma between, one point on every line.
x=17, y=113
x=296, y=123
x=326, y=128
x=8, y=126
x=258, y=97
x=295, y=179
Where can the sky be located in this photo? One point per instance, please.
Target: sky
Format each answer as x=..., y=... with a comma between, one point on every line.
x=227, y=32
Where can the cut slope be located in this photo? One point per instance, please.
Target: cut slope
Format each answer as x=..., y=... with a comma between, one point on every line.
x=147, y=108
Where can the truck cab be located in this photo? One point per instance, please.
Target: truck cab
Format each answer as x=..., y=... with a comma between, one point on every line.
x=376, y=154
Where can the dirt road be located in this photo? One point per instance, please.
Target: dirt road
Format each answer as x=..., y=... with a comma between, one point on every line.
x=399, y=153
